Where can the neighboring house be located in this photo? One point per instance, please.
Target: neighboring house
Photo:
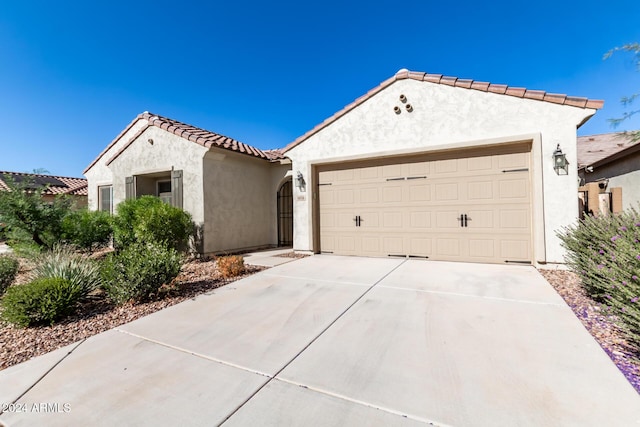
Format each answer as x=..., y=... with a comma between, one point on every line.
x=420, y=166
x=75, y=188
x=609, y=171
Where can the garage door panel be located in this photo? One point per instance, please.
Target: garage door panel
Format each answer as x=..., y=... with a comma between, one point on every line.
x=480, y=219
x=513, y=188
x=392, y=194
x=419, y=219
x=393, y=245
x=392, y=171
x=369, y=195
x=480, y=190
x=420, y=246
x=392, y=220
x=480, y=163
x=514, y=219
x=446, y=166
x=414, y=209
x=419, y=169
x=371, y=245
x=345, y=197
x=515, y=250
x=448, y=247
x=482, y=248
x=446, y=192
x=419, y=192
x=447, y=219
x=514, y=160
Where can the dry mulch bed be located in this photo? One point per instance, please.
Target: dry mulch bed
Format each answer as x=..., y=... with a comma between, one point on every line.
x=98, y=315
x=601, y=325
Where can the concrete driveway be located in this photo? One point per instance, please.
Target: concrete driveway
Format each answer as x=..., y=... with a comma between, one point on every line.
x=334, y=341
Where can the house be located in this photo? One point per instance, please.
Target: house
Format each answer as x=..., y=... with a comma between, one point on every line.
x=230, y=188
x=421, y=166
x=75, y=188
x=609, y=171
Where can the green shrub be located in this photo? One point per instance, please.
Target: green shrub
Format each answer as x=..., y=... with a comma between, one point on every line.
x=230, y=266
x=42, y=301
x=138, y=271
x=61, y=262
x=87, y=230
x=8, y=270
x=605, y=253
x=150, y=220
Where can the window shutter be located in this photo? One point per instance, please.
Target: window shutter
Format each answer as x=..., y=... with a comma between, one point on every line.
x=176, y=188
x=129, y=191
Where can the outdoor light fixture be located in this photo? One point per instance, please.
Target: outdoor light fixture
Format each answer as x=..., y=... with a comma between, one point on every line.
x=299, y=180
x=560, y=162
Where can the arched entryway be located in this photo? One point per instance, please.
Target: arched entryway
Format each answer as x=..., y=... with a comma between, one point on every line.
x=285, y=214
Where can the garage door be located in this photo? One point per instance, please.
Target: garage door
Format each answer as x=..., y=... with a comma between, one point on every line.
x=473, y=207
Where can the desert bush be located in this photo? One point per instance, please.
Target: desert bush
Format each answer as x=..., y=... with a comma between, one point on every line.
x=63, y=263
x=42, y=301
x=8, y=270
x=149, y=220
x=87, y=230
x=138, y=271
x=605, y=253
x=230, y=265
x=28, y=217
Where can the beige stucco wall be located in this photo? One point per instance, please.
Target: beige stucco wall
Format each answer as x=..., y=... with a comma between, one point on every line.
x=447, y=117
x=100, y=174
x=623, y=173
x=167, y=152
x=239, y=201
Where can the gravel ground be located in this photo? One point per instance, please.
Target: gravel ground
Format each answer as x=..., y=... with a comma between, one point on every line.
x=97, y=315
x=199, y=277
x=601, y=326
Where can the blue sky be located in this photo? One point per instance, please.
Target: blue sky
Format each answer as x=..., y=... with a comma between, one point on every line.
x=74, y=74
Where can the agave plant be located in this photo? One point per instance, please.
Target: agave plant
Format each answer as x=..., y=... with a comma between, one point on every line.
x=62, y=262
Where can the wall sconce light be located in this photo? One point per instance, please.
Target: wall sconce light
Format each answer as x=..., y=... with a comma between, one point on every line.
x=299, y=180
x=560, y=162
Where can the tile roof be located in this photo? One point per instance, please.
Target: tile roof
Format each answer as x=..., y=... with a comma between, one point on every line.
x=192, y=133
x=596, y=148
x=54, y=184
x=518, y=92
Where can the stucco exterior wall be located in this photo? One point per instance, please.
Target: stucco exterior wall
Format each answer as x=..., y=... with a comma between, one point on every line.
x=99, y=174
x=447, y=117
x=239, y=201
x=624, y=173
x=167, y=152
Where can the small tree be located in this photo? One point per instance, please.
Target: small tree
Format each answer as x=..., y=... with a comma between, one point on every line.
x=28, y=216
x=627, y=101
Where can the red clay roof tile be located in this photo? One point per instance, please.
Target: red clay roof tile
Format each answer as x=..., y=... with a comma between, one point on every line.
x=58, y=184
x=191, y=133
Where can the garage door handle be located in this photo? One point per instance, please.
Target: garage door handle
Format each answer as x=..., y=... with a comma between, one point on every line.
x=465, y=220
x=461, y=219
x=358, y=220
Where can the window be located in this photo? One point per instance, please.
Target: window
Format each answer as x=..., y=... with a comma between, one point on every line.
x=164, y=191
x=105, y=198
